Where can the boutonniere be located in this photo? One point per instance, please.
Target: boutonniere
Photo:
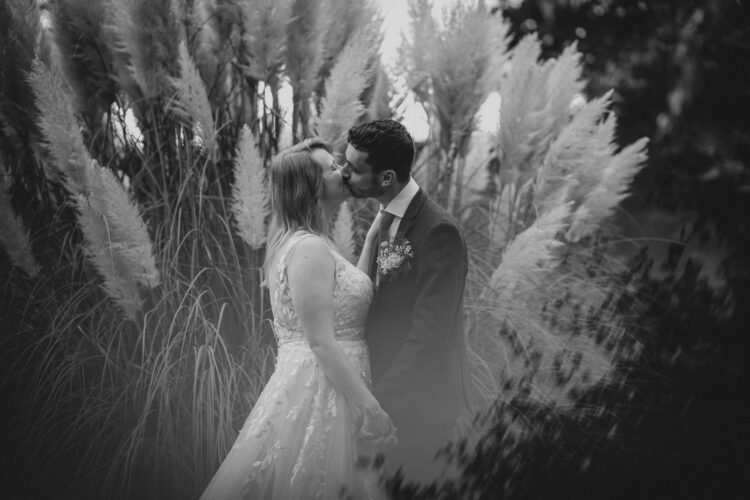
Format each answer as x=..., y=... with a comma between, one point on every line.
x=393, y=258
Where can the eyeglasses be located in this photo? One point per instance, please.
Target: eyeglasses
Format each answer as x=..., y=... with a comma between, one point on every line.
x=336, y=165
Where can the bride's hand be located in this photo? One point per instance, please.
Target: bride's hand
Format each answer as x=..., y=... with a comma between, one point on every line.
x=377, y=427
x=369, y=246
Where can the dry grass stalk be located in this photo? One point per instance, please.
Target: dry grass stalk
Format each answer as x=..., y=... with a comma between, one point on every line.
x=339, y=21
x=213, y=23
x=343, y=234
x=146, y=34
x=459, y=70
x=83, y=55
x=14, y=238
x=599, y=202
x=543, y=327
x=349, y=77
x=523, y=135
x=128, y=232
x=107, y=260
x=60, y=127
x=575, y=158
x=564, y=84
x=265, y=35
x=249, y=194
x=304, y=58
x=191, y=102
x=170, y=390
x=465, y=45
x=26, y=15
x=529, y=258
x=509, y=300
x=544, y=324
x=416, y=53
x=117, y=240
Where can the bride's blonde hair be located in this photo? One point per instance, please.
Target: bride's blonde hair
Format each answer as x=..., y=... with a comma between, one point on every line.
x=296, y=187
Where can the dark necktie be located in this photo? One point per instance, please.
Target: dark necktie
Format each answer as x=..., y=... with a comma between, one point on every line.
x=385, y=227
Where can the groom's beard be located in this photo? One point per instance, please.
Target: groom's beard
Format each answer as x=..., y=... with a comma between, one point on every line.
x=374, y=191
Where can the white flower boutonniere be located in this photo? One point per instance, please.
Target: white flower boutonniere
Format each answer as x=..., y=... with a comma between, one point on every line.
x=393, y=258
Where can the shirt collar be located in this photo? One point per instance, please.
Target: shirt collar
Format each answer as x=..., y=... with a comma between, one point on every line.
x=400, y=202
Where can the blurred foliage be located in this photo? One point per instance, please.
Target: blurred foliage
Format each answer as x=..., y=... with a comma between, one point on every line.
x=675, y=427
x=681, y=78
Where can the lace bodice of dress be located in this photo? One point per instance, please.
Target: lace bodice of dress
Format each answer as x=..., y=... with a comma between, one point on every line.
x=352, y=294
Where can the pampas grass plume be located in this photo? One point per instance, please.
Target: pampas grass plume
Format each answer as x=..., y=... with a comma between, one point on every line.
x=250, y=196
x=25, y=14
x=343, y=234
x=510, y=300
x=147, y=34
x=304, y=54
x=128, y=234
x=577, y=154
x=564, y=83
x=191, y=102
x=265, y=35
x=600, y=202
x=524, y=121
x=530, y=255
x=116, y=237
x=207, y=48
x=459, y=68
x=104, y=257
x=13, y=235
x=117, y=241
x=60, y=127
x=349, y=77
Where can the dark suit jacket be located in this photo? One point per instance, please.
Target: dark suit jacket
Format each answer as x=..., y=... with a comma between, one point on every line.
x=415, y=326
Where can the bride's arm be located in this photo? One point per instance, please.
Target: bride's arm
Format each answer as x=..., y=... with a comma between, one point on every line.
x=311, y=272
x=369, y=246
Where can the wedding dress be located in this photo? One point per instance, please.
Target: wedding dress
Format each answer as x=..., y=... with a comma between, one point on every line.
x=299, y=441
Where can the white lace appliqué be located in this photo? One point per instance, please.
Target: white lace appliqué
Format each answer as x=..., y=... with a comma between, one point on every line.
x=299, y=441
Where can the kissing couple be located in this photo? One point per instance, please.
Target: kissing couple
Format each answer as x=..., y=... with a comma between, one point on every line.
x=370, y=358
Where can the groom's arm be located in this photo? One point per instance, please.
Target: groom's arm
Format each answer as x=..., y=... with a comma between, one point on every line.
x=441, y=274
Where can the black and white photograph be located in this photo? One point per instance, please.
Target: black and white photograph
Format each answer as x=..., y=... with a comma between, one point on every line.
x=374, y=249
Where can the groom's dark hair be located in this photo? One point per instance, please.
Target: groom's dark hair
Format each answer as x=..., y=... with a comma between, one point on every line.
x=388, y=145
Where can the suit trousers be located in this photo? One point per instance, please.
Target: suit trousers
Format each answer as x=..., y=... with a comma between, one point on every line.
x=415, y=454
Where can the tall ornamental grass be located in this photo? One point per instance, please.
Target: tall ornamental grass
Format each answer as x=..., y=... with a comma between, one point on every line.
x=138, y=333
x=134, y=200
x=547, y=322
x=14, y=237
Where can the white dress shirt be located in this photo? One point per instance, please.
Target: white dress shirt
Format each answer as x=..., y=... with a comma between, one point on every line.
x=398, y=206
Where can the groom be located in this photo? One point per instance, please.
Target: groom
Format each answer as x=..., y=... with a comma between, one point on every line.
x=415, y=328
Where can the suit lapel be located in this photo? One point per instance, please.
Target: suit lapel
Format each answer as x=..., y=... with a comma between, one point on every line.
x=403, y=227
x=411, y=212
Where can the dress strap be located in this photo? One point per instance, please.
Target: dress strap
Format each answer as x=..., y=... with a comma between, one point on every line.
x=289, y=248
x=286, y=255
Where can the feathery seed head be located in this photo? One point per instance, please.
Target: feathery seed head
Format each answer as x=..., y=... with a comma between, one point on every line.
x=250, y=194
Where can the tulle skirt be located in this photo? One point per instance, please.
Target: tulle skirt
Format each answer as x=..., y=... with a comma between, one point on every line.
x=299, y=441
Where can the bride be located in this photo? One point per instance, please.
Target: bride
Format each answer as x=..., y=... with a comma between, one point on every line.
x=316, y=417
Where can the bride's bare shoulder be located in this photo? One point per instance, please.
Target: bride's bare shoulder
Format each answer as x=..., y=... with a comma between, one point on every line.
x=311, y=254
